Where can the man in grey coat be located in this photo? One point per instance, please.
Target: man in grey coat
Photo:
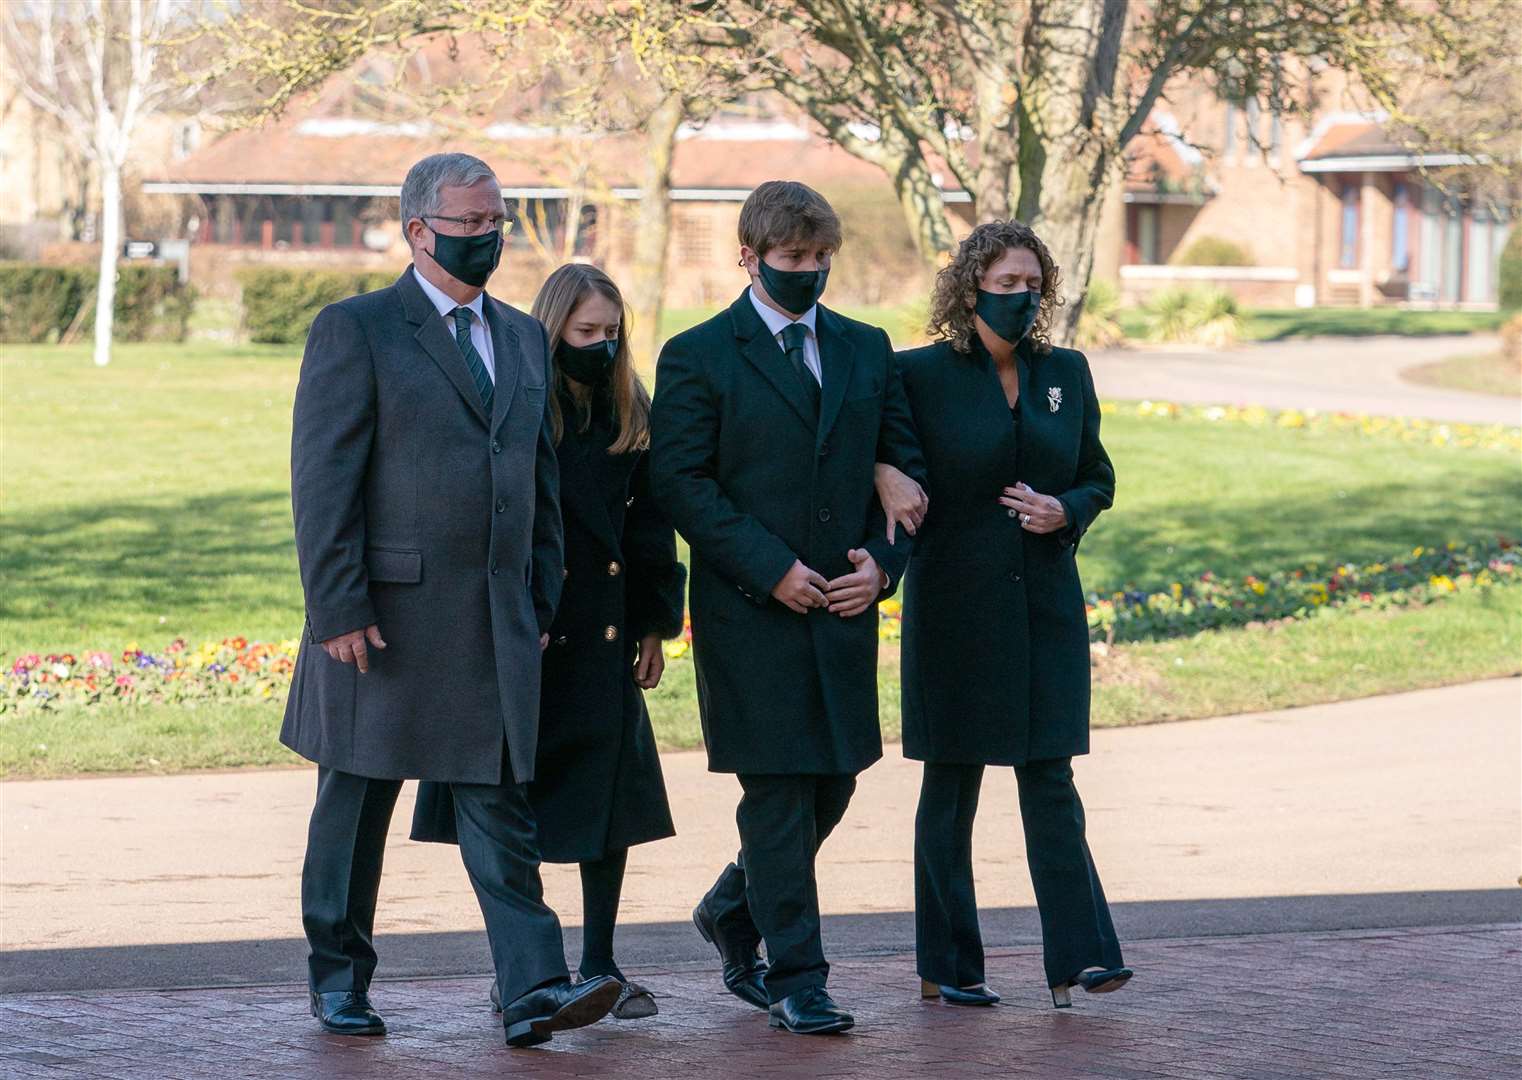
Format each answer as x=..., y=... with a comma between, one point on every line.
x=428, y=532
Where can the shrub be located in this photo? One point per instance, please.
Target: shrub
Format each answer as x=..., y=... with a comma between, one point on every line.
x=1510, y=285
x=1511, y=340
x=280, y=304
x=1196, y=316
x=1097, y=326
x=1214, y=251
x=38, y=303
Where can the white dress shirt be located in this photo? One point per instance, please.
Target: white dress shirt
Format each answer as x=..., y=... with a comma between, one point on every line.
x=480, y=337
x=776, y=322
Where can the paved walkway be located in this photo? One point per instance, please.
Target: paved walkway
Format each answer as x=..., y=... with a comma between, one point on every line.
x=1330, y=374
x=1421, y=1004
x=1322, y=892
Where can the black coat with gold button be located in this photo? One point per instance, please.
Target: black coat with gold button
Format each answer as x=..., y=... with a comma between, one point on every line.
x=996, y=643
x=597, y=781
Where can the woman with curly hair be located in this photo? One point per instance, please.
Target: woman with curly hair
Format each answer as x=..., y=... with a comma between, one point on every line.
x=996, y=644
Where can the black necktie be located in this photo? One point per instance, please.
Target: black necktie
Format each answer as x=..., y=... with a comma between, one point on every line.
x=793, y=337
x=472, y=357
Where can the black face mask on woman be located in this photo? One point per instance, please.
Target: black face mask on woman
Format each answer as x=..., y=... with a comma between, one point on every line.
x=470, y=259
x=589, y=365
x=1010, y=315
x=794, y=290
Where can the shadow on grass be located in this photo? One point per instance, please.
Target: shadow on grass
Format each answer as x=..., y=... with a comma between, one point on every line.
x=1232, y=539
x=118, y=566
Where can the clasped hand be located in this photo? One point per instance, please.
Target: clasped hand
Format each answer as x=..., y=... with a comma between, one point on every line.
x=802, y=588
x=1038, y=513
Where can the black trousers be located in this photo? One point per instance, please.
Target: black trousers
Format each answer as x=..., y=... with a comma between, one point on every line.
x=1076, y=932
x=346, y=842
x=770, y=892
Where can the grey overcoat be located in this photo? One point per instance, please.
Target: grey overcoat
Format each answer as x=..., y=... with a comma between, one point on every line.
x=419, y=513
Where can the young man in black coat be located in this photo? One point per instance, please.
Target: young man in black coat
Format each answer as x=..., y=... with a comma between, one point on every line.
x=767, y=422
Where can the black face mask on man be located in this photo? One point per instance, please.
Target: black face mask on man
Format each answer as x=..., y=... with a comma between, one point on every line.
x=589, y=365
x=1010, y=315
x=795, y=291
x=470, y=259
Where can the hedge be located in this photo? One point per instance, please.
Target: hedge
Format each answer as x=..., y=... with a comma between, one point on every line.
x=279, y=304
x=1510, y=292
x=38, y=303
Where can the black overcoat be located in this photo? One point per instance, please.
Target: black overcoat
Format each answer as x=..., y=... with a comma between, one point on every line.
x=418, y=512
x=995, y=637
x=597, y=784
x=754, y=479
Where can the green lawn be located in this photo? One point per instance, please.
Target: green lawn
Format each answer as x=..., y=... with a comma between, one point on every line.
x=1277, y=324
x=149, y=500
x=1479, y=373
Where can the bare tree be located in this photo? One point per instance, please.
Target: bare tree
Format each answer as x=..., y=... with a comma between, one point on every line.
x=98, y=67
x=1030, y=104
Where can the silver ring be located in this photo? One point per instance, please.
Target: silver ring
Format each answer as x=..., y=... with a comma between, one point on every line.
x=1025, y=519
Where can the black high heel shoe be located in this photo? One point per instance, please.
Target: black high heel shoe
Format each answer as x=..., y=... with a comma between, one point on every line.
x=958, y=995
x=1092, y=982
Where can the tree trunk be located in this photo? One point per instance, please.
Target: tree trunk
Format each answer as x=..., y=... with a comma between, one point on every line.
x=652, y=230
x=1070, y=117
x=110, y=244
x=919, y=197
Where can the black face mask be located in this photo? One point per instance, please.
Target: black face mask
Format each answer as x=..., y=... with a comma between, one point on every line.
x=589, y=365
x=1010, y=315
x=794, y=290
x=470, y=259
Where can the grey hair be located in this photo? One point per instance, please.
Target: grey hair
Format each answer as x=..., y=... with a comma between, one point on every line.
x=420, y=191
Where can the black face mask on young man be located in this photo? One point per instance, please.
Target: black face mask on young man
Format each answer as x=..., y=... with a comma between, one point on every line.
x=589, y=365
x=795, y=291
x=470, y=259
x=1010, y=315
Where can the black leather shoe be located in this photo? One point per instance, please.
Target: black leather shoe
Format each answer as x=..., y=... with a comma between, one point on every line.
x=811, y=1011
x=958, y=995
x=1093, y=982
x=344, y=1012
x=744, y=970
x=560, y=1006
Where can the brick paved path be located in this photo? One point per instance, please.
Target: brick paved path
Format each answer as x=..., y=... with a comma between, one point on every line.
x=1421, y=1004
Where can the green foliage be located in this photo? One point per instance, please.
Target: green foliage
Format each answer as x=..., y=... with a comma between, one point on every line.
x=1214, y=251
x=38, y=303
x=1204, y=316
x=1098, y=327
x=1510, y=286
x=279, y=304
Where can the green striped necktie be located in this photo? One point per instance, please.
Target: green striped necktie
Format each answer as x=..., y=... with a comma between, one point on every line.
x=473, y=358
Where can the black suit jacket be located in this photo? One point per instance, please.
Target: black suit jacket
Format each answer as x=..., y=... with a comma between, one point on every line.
x=996, y=639
x=754, y=480
x=417, y=511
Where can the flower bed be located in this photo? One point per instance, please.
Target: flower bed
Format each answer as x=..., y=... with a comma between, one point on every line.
x=236, y=668
x=1397, y=428
x=1207, y=602
x=231, y=668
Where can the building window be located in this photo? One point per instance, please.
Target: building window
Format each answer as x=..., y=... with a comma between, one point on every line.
x=1348, y=252
x=694, y=239
x=1400, y=235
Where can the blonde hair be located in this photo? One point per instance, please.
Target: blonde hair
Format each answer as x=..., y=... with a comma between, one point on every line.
x=559, y=296
x=956, y=286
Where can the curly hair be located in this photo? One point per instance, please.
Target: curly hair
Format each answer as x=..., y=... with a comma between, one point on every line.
x=956, y=285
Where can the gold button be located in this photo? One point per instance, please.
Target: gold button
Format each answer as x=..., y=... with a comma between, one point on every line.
x=613, y=569
x=610, y=633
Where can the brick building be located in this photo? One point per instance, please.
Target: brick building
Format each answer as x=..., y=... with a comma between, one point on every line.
x=1330, y=211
